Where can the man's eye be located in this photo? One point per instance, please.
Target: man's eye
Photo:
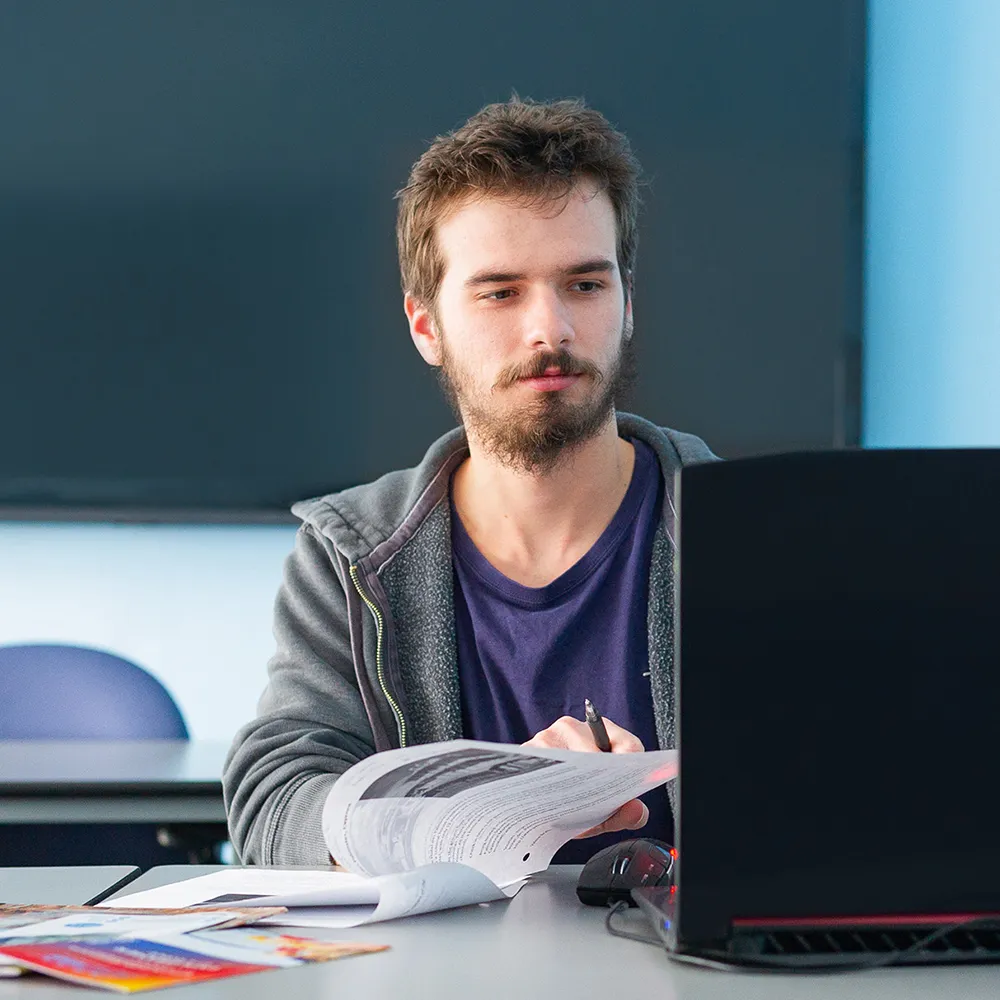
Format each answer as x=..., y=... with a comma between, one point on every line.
x=588, y=286
x=500, y=294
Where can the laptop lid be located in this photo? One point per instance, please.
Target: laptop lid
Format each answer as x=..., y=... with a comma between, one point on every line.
x=838, y=687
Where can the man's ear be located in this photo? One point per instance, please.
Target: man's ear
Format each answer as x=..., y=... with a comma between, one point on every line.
x=629, y=323
x=423, y=329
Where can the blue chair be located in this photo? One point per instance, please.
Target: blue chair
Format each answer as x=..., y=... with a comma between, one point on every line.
x=62, y=692
x=55, y=692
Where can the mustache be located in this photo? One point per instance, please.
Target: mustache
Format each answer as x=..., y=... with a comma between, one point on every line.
x=538, y=365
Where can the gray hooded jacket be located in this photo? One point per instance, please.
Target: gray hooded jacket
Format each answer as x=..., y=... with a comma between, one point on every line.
x=366, y=657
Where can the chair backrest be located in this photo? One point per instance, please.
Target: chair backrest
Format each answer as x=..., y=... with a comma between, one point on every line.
x=56, y=692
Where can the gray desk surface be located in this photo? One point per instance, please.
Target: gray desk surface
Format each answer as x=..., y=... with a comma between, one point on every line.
x=542, y=944
x=60, y=885
x=81, y=781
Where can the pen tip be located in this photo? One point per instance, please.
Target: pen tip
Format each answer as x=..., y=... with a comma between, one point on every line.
x=587, y=705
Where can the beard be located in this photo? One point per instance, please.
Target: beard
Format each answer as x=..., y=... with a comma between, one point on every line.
x=532, y=437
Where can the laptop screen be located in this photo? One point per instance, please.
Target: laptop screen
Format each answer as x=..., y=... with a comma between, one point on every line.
x=838, y=675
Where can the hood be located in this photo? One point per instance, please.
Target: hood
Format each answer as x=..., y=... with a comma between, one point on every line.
x=363, y=519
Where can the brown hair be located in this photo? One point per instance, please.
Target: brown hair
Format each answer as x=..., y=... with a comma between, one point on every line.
x=522, y=149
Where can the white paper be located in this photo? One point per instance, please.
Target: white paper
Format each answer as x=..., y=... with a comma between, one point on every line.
x=503, y=810
x=432, y=827
x=124, y=925
x=251, y=886
x=328, y=899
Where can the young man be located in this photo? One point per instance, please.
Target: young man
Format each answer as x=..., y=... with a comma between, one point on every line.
x=526, y=563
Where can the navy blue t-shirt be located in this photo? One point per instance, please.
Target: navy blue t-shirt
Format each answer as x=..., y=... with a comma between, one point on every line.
x=528, y=655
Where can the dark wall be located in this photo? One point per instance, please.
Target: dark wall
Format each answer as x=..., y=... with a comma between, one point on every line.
x=199, y=299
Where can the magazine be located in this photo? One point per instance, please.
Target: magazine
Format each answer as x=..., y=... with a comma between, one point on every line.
x=135, y=964
x=132, y=950
x=18, y=922
x=435, y=826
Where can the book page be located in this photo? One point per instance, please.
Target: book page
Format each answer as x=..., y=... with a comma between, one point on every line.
x=501, y=809
x=432, y=827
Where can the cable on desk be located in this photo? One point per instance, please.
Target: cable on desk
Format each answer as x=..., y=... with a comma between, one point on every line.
x=631, y=935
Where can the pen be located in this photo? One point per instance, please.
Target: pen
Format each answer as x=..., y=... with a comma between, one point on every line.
x=596, y=724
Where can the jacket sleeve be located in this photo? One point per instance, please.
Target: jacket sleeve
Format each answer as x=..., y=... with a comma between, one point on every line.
x=311, y=722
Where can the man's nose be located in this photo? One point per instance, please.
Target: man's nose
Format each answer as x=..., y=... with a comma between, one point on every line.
x=548, y=323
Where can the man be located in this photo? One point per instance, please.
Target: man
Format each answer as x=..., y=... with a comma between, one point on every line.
x=526, y=563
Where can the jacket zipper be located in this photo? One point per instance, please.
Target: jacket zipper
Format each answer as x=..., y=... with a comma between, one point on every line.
x=379, y=628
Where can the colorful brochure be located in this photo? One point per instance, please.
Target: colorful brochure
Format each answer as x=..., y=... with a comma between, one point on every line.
x=133, y=965
x=132, y=950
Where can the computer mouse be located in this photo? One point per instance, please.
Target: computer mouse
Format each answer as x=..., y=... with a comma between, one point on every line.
x=612, y=873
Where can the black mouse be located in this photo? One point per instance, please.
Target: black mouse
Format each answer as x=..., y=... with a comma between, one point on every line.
x=612, y=873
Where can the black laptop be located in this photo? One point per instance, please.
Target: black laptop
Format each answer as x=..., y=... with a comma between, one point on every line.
x=838, y=684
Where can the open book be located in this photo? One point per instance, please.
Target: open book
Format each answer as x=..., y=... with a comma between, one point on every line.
x=435, y=826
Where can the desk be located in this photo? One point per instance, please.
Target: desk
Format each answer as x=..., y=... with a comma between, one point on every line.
x=68, y=886
x=542, y=944
x=115, y=781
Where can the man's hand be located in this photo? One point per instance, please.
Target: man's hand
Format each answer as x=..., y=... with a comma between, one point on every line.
x=568, y=733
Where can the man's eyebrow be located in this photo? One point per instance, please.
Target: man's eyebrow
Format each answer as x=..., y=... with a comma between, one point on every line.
x=491, y=278
x=597, y=265
x=594, y=266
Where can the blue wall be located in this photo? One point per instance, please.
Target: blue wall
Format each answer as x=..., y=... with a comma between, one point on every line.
x=193, y=604
x=932, y=323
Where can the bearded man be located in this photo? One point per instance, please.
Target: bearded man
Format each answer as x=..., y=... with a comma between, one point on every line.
x=527, y=562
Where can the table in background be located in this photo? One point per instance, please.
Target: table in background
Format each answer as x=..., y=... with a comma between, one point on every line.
x=113, y=781
x=62, y=885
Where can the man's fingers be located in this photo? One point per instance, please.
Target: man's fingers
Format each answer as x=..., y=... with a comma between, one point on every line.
x=630, y=816
x=622, y=741
x=566, y=733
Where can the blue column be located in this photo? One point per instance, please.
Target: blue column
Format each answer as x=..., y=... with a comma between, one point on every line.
x=932, y=313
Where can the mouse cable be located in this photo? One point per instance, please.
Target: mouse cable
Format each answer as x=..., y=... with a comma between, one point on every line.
x=631, y=935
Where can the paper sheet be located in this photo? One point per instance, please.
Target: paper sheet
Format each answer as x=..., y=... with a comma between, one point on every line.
x=432, y=827
x=325, y=898
x=96, y=924
x=239, y=886
x=503, y=810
